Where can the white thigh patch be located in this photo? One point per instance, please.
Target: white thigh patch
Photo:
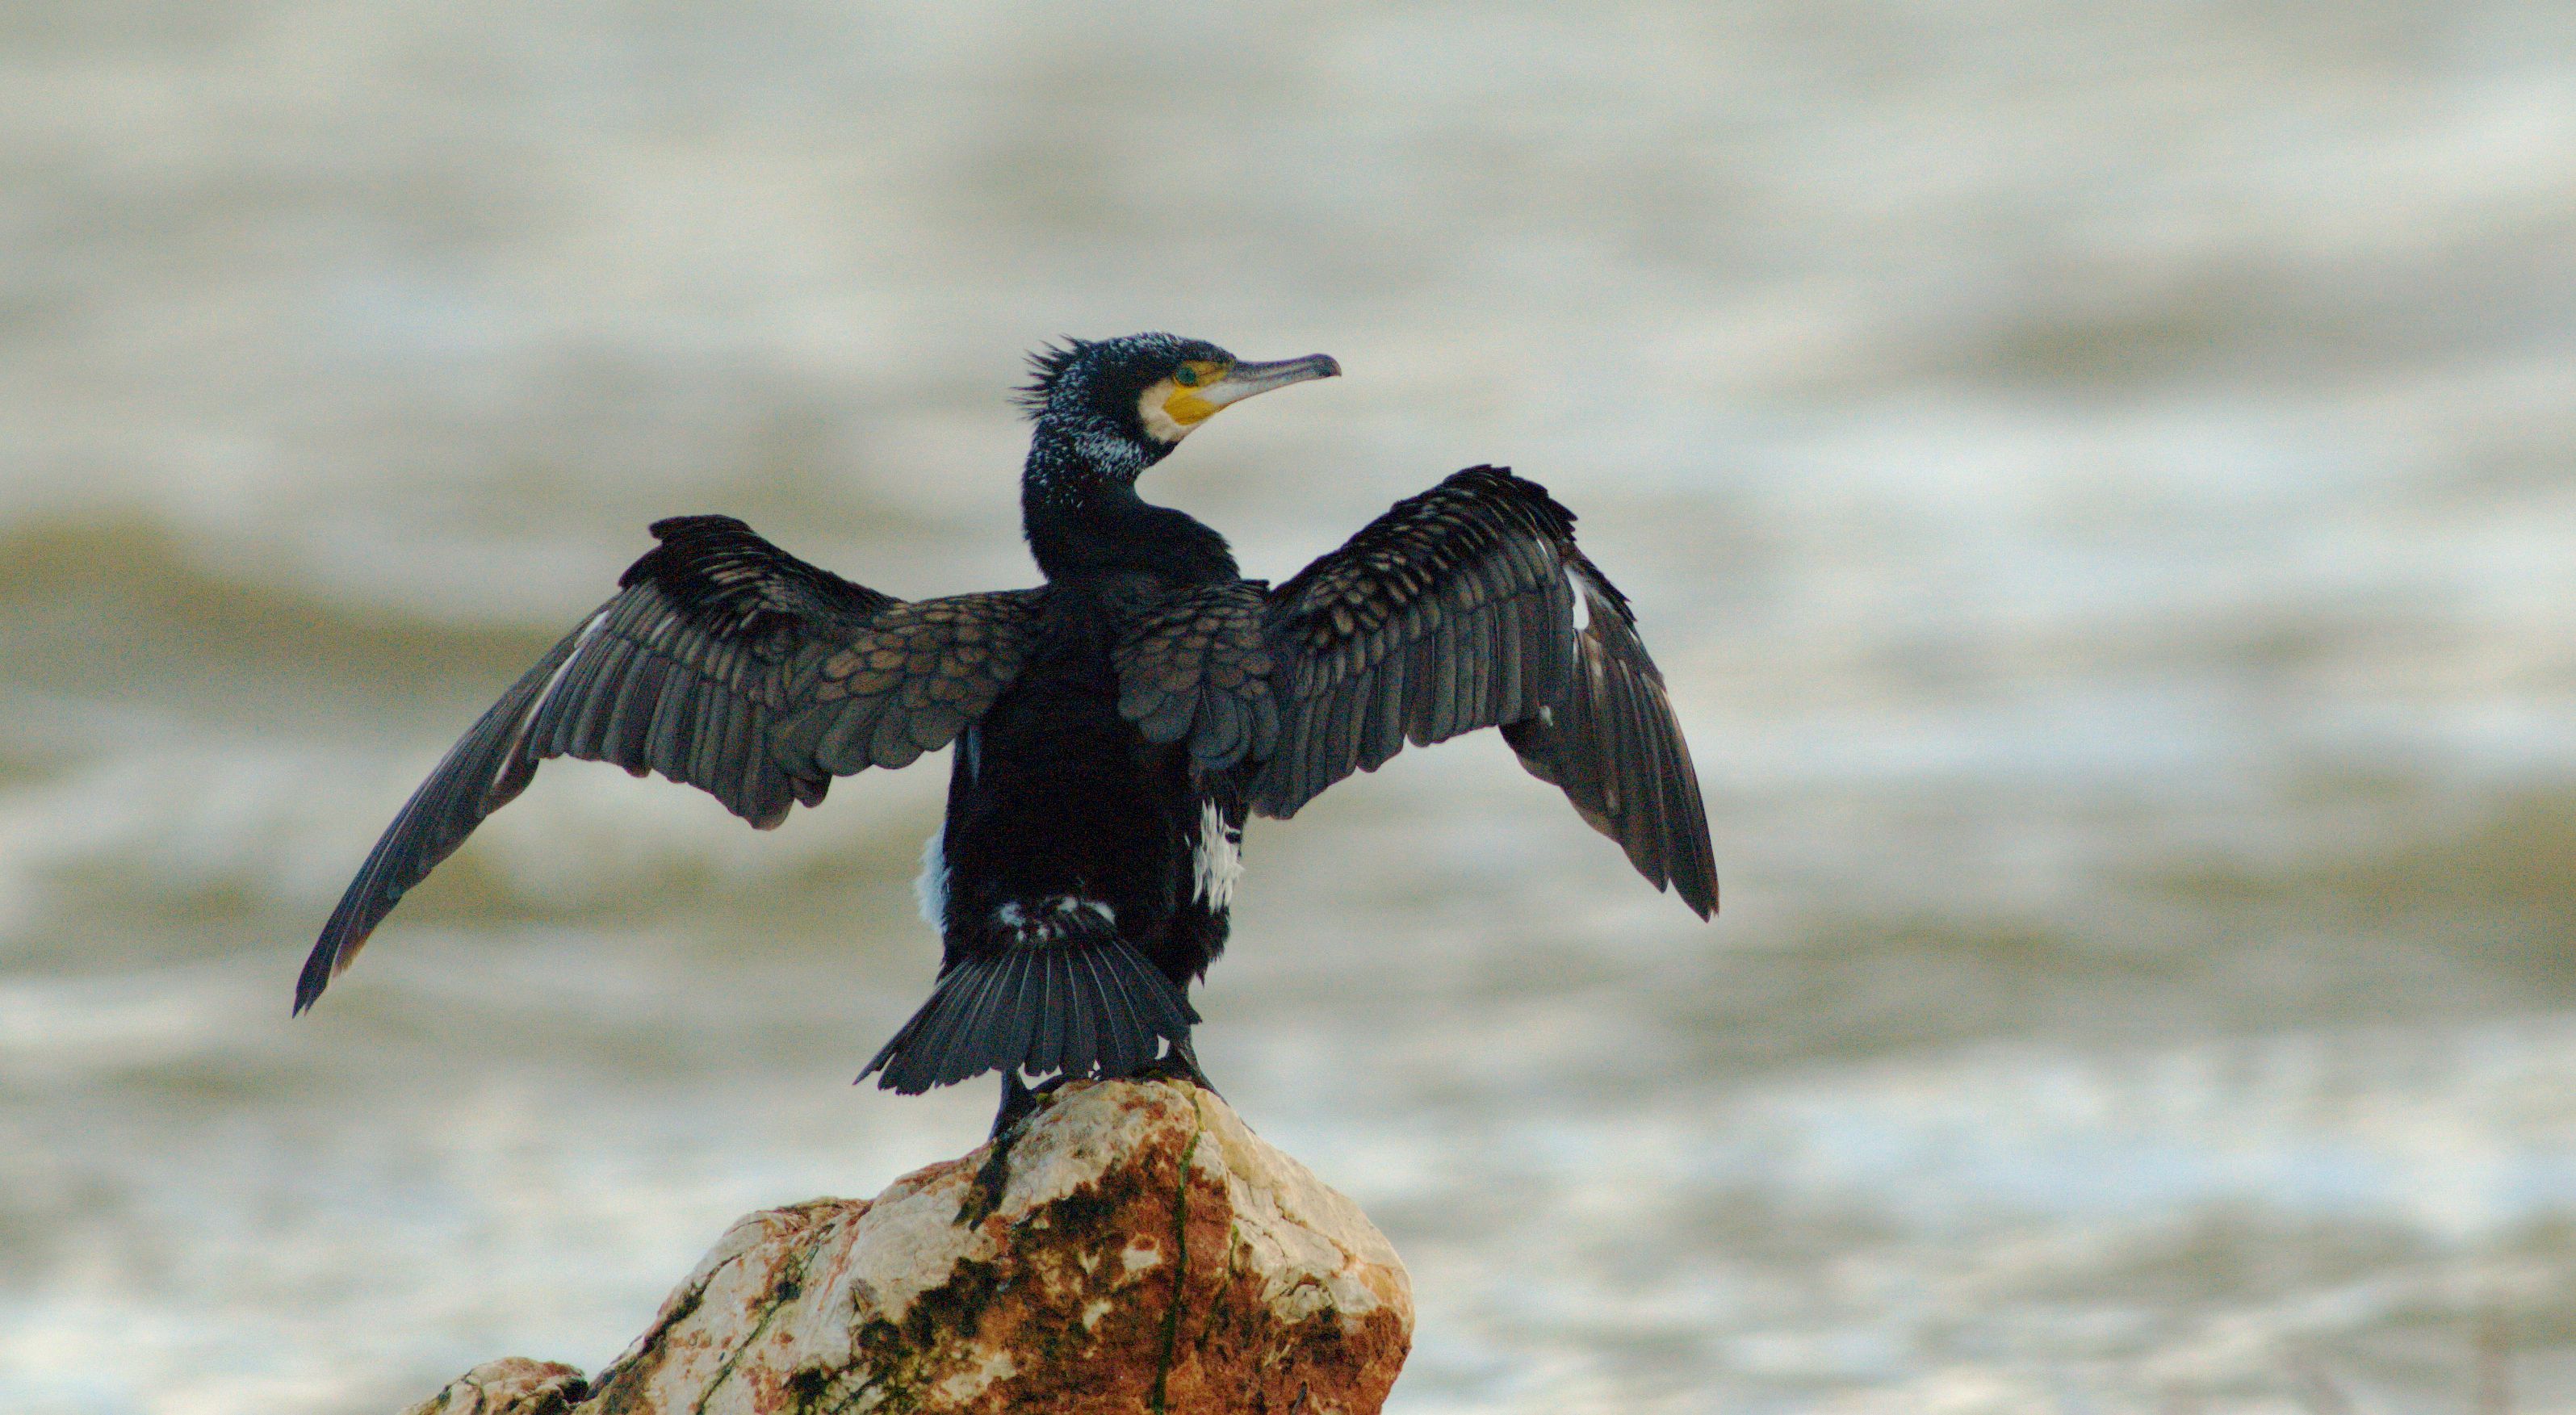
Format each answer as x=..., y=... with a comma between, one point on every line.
x=1219, y=862
x=930, y=887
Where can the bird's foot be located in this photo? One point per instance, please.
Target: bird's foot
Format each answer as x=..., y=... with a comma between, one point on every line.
x=1180, y=1064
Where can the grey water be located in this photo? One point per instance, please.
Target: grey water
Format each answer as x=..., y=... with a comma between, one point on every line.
x=2097, y=478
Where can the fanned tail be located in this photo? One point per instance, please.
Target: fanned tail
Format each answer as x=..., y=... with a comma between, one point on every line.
x=1061, y=993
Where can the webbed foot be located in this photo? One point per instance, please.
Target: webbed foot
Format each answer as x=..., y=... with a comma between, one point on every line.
x=1180, y=1063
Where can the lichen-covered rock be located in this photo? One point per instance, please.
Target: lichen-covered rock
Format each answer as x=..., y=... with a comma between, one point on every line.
x=513, y=1385
x=1149, y=1254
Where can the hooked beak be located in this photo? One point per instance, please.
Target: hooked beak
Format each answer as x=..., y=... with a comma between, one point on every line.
x=1244, y=380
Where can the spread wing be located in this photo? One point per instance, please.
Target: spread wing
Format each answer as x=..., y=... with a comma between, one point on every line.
x=724, y=663
x=1469, y=606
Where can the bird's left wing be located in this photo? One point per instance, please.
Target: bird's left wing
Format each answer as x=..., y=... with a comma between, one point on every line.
x=722, y=663
x=1469, y=606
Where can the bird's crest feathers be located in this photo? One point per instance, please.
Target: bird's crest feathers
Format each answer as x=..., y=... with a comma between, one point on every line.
x=1046, y=369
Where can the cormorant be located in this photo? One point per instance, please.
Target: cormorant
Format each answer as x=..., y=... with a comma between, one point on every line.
x=1114, y=726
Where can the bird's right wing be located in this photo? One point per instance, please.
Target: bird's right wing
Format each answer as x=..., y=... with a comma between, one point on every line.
x=723, y=663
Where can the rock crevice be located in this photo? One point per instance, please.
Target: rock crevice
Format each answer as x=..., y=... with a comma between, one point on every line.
x=1149, y=1254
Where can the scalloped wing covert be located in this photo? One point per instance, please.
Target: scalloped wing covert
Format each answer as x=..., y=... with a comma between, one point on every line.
x=1197, y=667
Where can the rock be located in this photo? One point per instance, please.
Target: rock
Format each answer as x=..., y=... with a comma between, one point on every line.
x=1150, y=1253
x=513, y=1385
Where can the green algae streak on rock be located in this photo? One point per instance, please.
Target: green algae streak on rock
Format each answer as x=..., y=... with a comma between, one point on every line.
x=1150, y=1254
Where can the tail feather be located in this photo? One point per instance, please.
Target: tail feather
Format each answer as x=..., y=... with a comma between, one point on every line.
x=1088, y=1006
x=1128, y=1021
x=947, y=1032
x=1054, y=1006
x=1047, y=1048
x=1117, y=1030
x=990, y=1003
x=1084, y=1036
x=1016, y=1029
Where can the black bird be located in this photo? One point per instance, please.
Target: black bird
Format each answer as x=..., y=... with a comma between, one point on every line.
x=1114, y=726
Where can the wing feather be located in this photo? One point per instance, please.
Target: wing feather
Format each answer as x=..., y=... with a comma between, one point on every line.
x=723, y=663
x=1197, y=668
x=1609, y=742
x=1455, y=611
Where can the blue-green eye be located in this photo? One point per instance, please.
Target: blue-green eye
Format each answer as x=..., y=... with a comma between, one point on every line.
x=1186, y=376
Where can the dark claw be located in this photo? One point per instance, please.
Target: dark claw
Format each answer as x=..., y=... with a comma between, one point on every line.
x=1181, y=1063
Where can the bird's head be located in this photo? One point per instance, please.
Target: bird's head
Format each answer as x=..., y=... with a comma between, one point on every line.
x=1127, y=402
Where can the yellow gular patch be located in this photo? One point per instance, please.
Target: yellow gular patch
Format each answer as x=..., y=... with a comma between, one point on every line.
x=1170, y=409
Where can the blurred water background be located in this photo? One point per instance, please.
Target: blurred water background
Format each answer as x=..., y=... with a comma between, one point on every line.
x=2096, y=475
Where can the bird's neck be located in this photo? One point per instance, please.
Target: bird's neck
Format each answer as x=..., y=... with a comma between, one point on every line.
x=1081, y=513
